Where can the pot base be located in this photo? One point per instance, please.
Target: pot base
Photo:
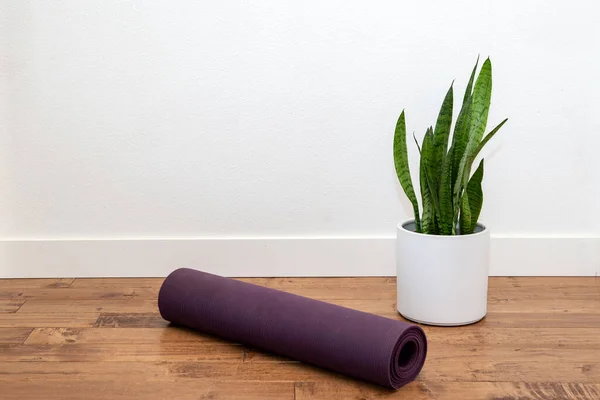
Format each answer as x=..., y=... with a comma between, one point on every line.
x=418, y=321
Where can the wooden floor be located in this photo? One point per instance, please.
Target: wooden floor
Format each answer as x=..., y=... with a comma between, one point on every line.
x=104, y=339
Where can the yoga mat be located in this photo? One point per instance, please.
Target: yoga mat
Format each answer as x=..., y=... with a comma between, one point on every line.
x=372, y=348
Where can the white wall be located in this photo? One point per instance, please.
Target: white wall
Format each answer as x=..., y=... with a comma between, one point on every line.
x=155, y=119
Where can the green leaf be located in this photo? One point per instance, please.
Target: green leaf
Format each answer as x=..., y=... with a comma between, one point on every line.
x=465, y=215
x=486, y=139
x=402, y=167
x=446, y=216
x=427, y=220
x=482, y=94
x=459, y=145
x=474, y=193
x=441, y=135
x=460, y=139
x=472, y=157
x=428, y=192
x=417, y=143
x=480, y=104
x=430, y=169
x=470, y=84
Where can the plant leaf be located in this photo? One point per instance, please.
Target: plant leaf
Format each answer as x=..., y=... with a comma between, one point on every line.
x=417, y=143
x=480, y=105
x=427, y=220
x=460, y=139
x=469, y=88
x=486, y=139
x=482, y=95
x=446, y=216
x=441, y=135
x=461, y=129
x=430, y=169
x=472, y=157
x=474, y=193
x=428, y=192
x=402, y=167
x=465, y=215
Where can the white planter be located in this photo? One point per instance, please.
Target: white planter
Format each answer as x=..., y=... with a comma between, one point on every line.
x=442, y=280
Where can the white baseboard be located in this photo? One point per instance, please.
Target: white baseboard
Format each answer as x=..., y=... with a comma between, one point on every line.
x=511, y=256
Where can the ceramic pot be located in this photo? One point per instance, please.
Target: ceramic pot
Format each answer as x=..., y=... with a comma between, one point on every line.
x=442, y=280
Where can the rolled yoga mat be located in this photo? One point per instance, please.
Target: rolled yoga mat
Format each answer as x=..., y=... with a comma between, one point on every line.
x=380, y=350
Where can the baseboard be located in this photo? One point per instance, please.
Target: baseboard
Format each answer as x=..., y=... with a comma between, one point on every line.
x=511, y=256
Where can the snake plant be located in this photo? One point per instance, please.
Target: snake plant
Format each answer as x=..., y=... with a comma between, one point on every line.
x=451, y=197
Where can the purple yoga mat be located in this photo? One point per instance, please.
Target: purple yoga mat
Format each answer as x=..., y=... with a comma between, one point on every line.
x=380, y=350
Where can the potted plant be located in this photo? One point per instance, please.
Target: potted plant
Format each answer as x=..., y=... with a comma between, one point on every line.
x=442, y=254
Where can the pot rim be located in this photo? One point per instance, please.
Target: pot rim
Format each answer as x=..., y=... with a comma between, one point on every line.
x=401, y=224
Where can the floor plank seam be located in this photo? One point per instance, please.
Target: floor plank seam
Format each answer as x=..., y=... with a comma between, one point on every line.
x=97, y=323
x=27, y=337
x=21, y=306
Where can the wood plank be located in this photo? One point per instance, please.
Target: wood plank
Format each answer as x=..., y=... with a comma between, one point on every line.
x=516, y=287
x=570, y=288
x=119, y=320
x=475, y=335
x=318, y=288
x=11, y=306
x=115, y=283
x=539, y=320
x=122, y=336
x=437, y=351
x=463, y=390
x=164, y=371
x=321, y=288
x=466, y=354
x=354, y=390
x=228, y=370
x=546, y=283
x=72, y=389
x=223, y=370
x=556, y=305
x=35, y=283
x=79, y=293
x=538, y=282
x=327, y=387
x=381, y=291
x=504, y=294
x=189, y=351
x=575, y=288
x=14, y=335
x=434, y=371
x=483, y=369
x=42, y=320
x=567, y=338
x=522, y=307
x=543, y=315
x=379, y=288
x=124, y=305
x=44, y=371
